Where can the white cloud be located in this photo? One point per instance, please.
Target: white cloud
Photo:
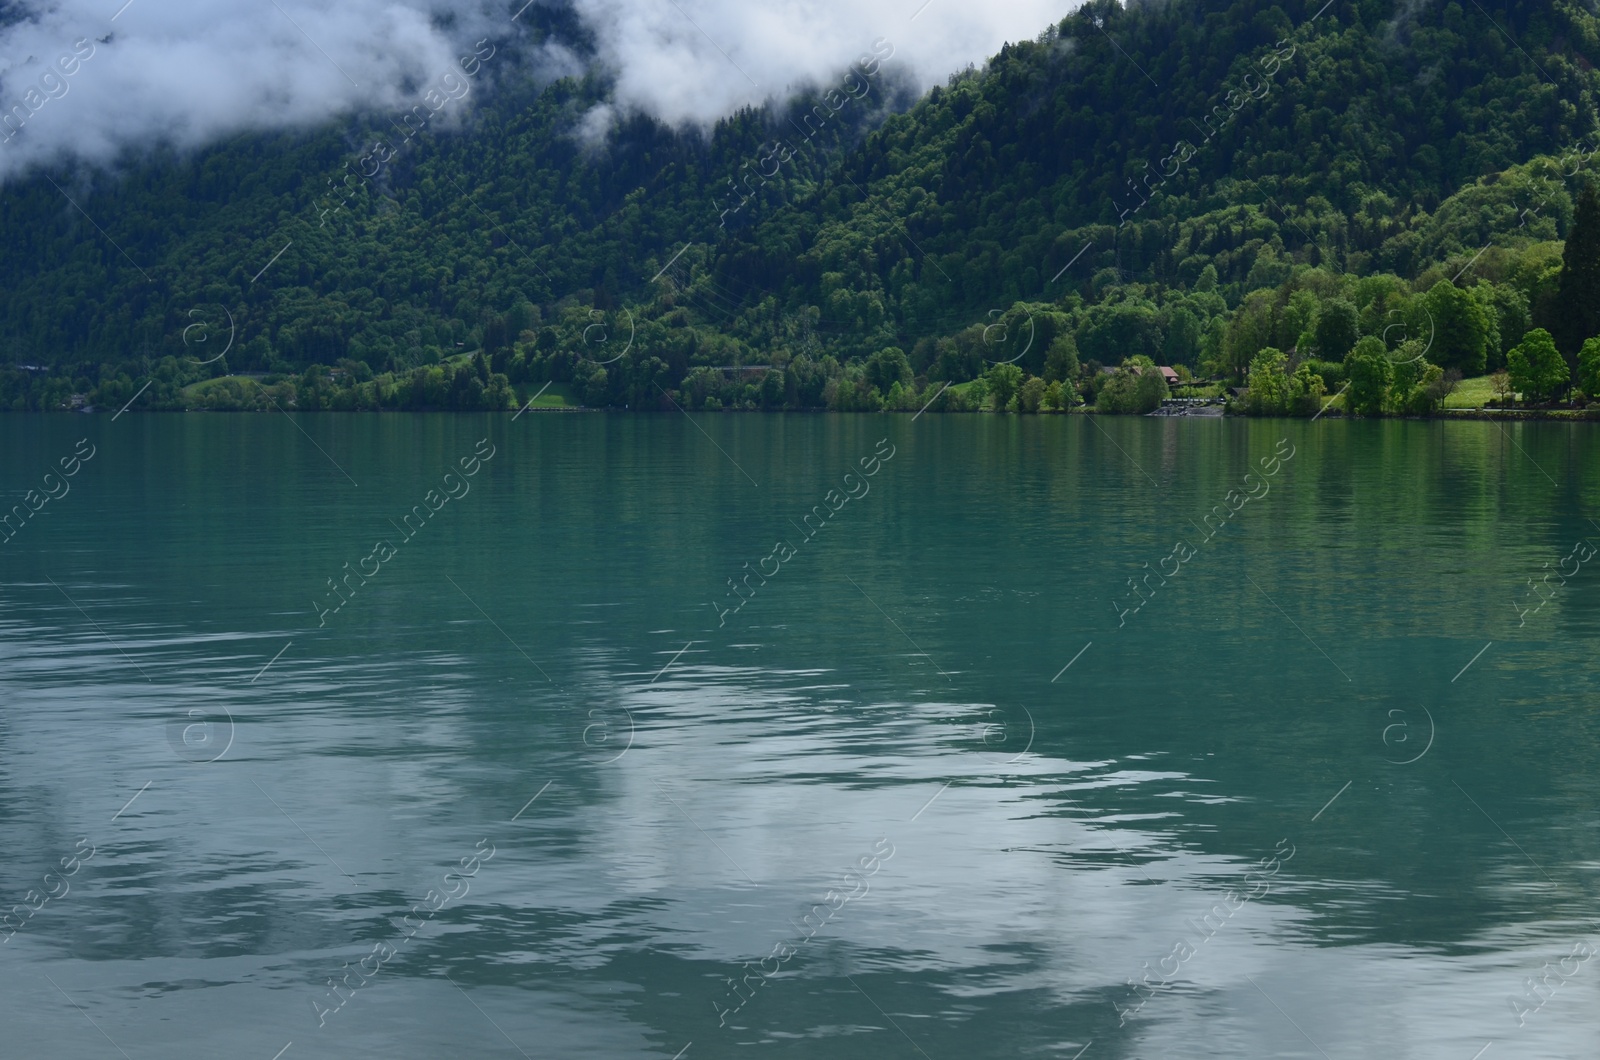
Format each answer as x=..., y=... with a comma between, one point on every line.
x=697, y=60
x=187, y=73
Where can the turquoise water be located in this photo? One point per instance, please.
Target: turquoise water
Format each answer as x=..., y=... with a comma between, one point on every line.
x=927, y=785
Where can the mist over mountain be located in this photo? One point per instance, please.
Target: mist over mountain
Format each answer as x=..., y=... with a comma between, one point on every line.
x=186, y=73
x=1172, y=181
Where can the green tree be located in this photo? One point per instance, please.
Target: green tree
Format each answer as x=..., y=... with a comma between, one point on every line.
x=1589, y=369
x=1460, y=328
x=1214, y=345
x=1248, y=331
x=1336, y=330
x=1274, y=392
x=1268, y=383
x=1061, y=360
x=1428, y=393
x=1295, y=318
x=1369, y=371
x=1577, y=307
x=1060, y=396
x=1182, y=344
x=1415, y=386
x=1512, y=318
x=887, y=367
x=1151, y=389
x=1406, y=373
x=498, y=395
x=1004, y=379
x=1536, y=367
x=1306, y=390
x=1331, y=372
x=1135, y=387
x=1112, y=332
x=1031, y=394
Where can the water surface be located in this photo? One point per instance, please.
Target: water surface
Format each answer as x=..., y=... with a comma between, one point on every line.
x=945, y=689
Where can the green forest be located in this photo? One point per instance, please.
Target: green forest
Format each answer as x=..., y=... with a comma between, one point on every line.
x=1370, y=199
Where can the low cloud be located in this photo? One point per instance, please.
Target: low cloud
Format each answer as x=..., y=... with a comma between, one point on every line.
x=694, y=61
x=189, y=72
x=80, y=80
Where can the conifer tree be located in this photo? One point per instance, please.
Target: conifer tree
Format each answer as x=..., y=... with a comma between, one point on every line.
x=1578, y=299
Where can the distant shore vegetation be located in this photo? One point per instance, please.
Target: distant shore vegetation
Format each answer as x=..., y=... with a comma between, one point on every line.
x=1317, y=342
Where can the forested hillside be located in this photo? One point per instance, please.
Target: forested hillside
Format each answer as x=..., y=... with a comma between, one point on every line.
x=1170, y=180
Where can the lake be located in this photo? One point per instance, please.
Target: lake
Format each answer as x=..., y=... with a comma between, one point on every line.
x=798, y=736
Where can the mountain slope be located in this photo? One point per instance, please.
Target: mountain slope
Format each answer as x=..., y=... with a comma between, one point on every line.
x=1237, y=145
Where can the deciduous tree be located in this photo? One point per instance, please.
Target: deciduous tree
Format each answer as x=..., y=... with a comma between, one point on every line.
x=1536, y=367
x=1369, y=371
x=1336, y=329
x=1460, y=328
x=1004, y=379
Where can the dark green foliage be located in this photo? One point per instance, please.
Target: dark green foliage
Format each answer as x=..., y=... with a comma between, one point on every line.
x=1512, y=319
x=1331, y=373
x=1182, y=341
x=887, y=367
x=1004, y=379
x=1249, y=332
x=1588, y=376
x=1423, y=394
x=1577, y=317
x=1126, y=329
x=1061, y=361
x=1369, y=370
x=1337, y=329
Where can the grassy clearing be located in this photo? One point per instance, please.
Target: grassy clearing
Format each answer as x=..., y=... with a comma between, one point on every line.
x=555, y=396
x=1471, y=393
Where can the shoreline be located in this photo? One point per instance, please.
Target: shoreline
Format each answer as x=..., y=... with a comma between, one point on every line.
x=1555, y=415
